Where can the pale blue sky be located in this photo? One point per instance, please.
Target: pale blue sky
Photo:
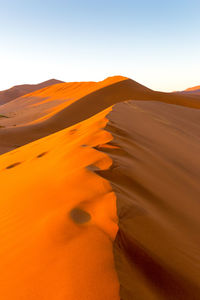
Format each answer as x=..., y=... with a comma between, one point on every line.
x=156, y=43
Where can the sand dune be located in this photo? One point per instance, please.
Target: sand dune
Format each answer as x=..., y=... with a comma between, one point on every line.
x=58, y=221
x=60, y=106
x=40, y=105
x=100, y=198
x=193, y=90
x=20, y=90
x=155, y=175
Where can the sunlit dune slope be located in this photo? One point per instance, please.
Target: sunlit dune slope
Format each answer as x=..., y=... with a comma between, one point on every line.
x=42, y=104
x=20, y=90
x=155, y=175
x=60, y=106
x=58, y=218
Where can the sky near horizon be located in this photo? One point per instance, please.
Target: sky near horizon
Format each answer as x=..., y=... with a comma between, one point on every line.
x=154, y=42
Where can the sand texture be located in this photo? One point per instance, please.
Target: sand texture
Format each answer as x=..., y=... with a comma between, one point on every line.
x=100, y=193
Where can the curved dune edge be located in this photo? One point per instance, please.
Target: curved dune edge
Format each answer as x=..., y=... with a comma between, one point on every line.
x=155, y=175
x=40, y=105
x=72, y=91
x=133, y=167
x=58, y=217
x=80, y=104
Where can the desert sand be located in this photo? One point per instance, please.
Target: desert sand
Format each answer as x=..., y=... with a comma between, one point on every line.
x=58, y=218
x=20, y=90
x=193, y=90
x=62, y=105
x=155, y=176
x=100, y=193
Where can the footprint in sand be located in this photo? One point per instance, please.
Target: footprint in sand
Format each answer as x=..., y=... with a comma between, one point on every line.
x=41, y=154
x=13, y=165
x=80, y=216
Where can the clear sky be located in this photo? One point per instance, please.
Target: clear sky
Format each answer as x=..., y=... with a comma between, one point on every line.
x=155, y=42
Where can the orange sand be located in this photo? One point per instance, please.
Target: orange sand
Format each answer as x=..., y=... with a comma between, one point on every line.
x=44, y=103
x=195, y=88
x=105, y=203
x=54, y=108
x=49, y=248
x=20, y=90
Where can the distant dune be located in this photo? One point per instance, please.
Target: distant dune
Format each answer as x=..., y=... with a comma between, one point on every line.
x=194, y=90
x=20, y=90
x=100, y=193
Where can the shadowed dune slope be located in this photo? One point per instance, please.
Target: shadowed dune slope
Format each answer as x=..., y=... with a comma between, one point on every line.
x=58, y=218
x=79, y=103
x=20, y=90
x=155, y=175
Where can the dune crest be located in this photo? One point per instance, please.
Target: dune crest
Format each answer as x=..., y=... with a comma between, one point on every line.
x=62, y=105
x=42, y=104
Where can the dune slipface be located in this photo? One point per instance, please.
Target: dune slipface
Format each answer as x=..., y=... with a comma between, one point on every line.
x=100, y=198
x=155, y=175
